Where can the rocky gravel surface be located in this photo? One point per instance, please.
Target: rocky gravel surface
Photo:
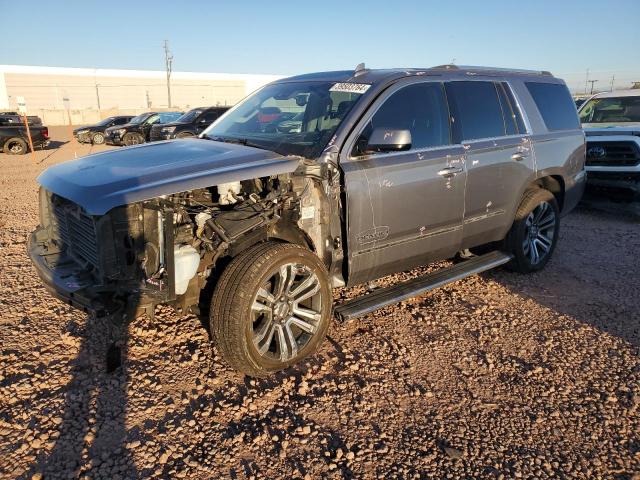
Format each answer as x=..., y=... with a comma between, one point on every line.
x=496, y=376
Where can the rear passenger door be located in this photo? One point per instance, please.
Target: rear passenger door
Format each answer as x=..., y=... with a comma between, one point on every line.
x=488, y=124
x=404, y=208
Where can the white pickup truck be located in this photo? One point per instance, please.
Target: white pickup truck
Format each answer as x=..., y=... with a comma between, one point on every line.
x=611, y=122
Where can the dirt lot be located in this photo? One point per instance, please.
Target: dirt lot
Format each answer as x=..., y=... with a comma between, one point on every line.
x=495, y=376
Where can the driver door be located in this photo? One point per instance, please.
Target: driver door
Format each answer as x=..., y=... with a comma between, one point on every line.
x=406, y=208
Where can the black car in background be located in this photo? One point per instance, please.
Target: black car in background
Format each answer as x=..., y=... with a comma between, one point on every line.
x=14, y=139
x=190, y=124
x=138, y=129
x=95, y=133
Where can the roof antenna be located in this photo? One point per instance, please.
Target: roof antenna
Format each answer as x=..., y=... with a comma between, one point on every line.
x=360, y=69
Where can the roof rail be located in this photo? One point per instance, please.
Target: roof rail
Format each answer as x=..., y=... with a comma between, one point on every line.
x=472, y=68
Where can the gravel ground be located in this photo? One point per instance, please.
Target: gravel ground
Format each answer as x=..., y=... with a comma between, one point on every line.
x=495, y=376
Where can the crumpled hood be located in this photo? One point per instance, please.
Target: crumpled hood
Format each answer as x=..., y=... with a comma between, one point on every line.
x=105, y=180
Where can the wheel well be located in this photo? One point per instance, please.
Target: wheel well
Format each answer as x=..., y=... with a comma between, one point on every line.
x=555, y=184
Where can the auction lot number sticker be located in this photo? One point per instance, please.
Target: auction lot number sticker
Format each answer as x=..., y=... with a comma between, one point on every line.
x=350, y=87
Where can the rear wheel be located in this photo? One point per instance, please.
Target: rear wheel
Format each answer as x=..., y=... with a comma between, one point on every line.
x=132, y=139
x=271, y=308
x=98, y=138
x=534, y=234
x=15, y=146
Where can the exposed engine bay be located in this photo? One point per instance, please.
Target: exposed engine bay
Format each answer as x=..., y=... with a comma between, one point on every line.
x=165, y=250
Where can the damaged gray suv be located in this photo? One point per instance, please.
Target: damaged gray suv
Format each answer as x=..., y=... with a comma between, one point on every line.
x=314, y=182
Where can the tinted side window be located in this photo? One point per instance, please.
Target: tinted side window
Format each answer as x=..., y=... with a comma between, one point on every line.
x=507, y=111
x=419, y=108
x=555, y=105
x=120, y=121
x=475, y=109
x=514, y=108
x=209, y=117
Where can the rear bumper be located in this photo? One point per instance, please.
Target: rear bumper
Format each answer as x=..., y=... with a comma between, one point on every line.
x=574, y=189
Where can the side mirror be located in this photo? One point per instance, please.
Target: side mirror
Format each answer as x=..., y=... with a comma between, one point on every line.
x=387, y=140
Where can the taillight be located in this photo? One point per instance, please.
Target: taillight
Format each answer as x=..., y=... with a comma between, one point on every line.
x=45, y=132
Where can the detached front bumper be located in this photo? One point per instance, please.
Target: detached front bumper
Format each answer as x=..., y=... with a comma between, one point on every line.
x=67, y=280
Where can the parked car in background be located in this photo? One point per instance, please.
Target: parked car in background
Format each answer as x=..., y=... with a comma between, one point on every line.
x=138, y=129
x=14, y=139
x=14, y=118
x=381, y=171
x=611, y=122
x=191, y=124
x=96, y=133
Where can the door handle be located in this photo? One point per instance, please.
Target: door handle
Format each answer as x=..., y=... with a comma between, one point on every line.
x=518, y=157
x=449, y=172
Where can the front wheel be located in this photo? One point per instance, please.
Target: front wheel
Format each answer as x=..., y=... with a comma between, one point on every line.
x=534, y=234
x=98, y=138
x=15, y=146
x=271, y=308
x=132, y=139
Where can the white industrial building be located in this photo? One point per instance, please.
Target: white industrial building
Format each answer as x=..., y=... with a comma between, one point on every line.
x=94, y=93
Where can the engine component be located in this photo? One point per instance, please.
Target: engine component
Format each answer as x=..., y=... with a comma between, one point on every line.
x=228, y=193
x=186, y=260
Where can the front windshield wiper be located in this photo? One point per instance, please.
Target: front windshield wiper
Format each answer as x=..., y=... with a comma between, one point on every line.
x=239, y=141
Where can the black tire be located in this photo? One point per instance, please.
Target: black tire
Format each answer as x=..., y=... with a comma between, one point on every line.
x=15, y=146
x=97, y=138
x=132, y=139
x=249, y=330
x=185, y=135
x=534, y=233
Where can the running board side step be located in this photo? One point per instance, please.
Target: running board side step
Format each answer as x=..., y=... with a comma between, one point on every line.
x=401, y=291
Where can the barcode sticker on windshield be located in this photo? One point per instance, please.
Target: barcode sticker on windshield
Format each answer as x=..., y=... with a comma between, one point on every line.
x=350, y=87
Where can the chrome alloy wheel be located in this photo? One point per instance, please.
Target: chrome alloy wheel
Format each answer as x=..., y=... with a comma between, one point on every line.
x=540, y=228
x=286, y=312
x=15, y=148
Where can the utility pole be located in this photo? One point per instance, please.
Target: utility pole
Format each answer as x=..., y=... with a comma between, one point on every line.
x=613, y=77
x=98, y=97
x=586, y=81
x=592, y=82
x=168, y=61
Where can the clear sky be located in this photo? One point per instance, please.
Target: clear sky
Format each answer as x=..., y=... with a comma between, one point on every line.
x=288, y=37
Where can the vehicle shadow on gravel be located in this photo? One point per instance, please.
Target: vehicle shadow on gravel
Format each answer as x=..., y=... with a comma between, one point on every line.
x=92, y=431
x=591, y=276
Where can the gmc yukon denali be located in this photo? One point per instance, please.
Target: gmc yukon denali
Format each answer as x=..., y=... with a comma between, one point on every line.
x=384, y=170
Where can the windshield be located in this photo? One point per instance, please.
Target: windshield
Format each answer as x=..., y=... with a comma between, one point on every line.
x=289, y=118
x=190, y=116
x=139, y=119
x=611, y=110
x=105, y=122
x=166, y=117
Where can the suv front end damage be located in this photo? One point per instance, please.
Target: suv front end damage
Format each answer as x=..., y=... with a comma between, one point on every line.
x=163, y=250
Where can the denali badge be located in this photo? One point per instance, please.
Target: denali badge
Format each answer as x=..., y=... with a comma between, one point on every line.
x=378, y=233
x=596, y=152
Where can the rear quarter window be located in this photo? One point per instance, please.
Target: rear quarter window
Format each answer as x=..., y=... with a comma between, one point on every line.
x=555, y=105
